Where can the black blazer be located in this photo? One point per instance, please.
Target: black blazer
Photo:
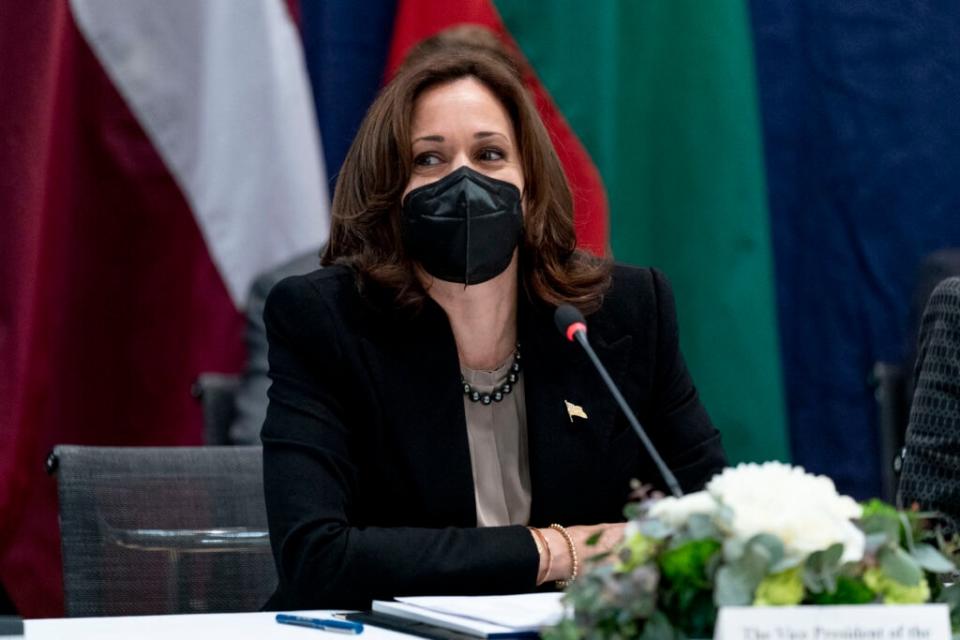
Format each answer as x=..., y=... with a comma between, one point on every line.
x=367, y=473
x=931, y=464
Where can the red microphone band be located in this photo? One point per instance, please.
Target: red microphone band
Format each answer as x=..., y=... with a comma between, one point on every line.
x=574, y=328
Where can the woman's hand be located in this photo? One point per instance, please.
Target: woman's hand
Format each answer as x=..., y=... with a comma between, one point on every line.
x=556, y=561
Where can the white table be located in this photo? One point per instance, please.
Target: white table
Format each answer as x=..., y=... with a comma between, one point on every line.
x=211, y=626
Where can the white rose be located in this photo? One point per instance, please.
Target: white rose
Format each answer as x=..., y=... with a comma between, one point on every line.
x=803, y=510
x=675, y=511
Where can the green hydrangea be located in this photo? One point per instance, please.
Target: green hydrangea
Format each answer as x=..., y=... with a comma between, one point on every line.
x=892, y=591
x=635, y=551
x=780, y=589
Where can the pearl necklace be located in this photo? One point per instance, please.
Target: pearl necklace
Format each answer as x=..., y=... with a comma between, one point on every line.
x=499, y=392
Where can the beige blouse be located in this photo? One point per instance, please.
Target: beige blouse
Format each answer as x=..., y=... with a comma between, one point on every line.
x=498, y=450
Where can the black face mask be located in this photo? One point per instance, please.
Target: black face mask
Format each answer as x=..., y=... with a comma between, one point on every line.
x=463, y=227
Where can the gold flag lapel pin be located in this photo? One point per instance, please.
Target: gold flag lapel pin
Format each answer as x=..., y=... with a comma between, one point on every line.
x=575, y=410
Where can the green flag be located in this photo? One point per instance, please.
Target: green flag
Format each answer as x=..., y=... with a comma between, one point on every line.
x=663, y=95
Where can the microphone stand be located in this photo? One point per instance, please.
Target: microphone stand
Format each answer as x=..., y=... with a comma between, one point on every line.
x=671, y=480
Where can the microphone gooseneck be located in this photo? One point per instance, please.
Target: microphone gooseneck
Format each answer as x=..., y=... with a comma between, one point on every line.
x=572, y=324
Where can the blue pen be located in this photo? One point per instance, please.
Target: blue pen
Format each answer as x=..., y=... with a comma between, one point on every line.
x=324, y=624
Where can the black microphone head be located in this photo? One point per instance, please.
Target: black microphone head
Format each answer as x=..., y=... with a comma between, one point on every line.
x=565, y=317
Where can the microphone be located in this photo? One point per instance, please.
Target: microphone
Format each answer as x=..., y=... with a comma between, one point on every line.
x=572, y=324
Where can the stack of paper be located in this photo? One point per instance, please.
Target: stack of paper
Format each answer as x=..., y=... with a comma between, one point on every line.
x=482, y=616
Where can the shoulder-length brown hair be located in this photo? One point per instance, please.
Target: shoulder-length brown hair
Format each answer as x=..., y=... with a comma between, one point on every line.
x=365, y=229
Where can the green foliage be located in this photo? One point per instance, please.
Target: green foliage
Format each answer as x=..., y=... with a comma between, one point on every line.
x=931, y=560
x=746, y=566
x=849, y=590
x=780, y=589
x=822, y=568
x=951, y=597
x=667, y=582
x=881, y=523
x=635, y=551
x=685, y=566
x=893, y=591
x=896, y=564
x=686, y=591
x=877, y=507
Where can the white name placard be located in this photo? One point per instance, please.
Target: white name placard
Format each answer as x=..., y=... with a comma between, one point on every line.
x=863, y=622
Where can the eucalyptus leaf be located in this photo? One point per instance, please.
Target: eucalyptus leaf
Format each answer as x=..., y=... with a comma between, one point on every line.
x=771, y=543
x=887, y=524
x=822, y=569
x=658, y=627
x=734, y=587
x=733, y=549
x=655, y=529
x=931, y=559
x=784, y=563
x=754, y=563
x=832, y=555
x=701, y=526
x=594, y=539
x=951, y=596
x=898, y=565
x=762, y=552
x=907, y=530
x=724, y=516
x=874, y=541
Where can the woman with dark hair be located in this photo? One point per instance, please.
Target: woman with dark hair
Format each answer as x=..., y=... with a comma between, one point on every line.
x=429, y=431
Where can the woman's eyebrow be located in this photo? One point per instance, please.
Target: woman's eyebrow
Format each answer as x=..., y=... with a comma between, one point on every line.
x=431, y=138
x=487, y=134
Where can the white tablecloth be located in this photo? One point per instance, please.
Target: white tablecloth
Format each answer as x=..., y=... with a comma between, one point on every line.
x=212, y=626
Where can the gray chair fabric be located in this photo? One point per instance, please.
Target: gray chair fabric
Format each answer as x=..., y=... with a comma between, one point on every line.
x=162, y=530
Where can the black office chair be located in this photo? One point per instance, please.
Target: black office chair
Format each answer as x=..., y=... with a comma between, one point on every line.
x=891, y=390
x=162, y=530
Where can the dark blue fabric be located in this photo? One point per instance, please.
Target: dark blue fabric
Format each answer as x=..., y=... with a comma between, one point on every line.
x=861, y=115
x=346, y=44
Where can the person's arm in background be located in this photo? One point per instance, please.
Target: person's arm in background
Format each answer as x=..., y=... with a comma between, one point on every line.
x=931, y=468
x=251, y=398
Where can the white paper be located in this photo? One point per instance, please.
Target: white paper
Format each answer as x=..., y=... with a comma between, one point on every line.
x=450, y=621
x=523, y=611
x=863, y=622
x=483, y=616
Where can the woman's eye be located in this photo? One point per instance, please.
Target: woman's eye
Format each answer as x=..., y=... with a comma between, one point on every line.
x=491, y=154
x=426, y=160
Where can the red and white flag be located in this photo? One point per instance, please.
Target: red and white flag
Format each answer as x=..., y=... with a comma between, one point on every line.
x=156, y=156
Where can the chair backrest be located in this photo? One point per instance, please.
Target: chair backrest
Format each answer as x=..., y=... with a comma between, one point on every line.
x=162, y=530
x=890, y=390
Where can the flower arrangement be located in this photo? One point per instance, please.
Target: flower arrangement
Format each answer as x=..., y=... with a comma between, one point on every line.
x=758, y=535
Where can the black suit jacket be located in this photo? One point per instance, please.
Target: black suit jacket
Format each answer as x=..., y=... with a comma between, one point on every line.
x=931, y=464
x=367, y=470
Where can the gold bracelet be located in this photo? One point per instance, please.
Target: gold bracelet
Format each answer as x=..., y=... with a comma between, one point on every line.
x=542, y=547
x=574, y=561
